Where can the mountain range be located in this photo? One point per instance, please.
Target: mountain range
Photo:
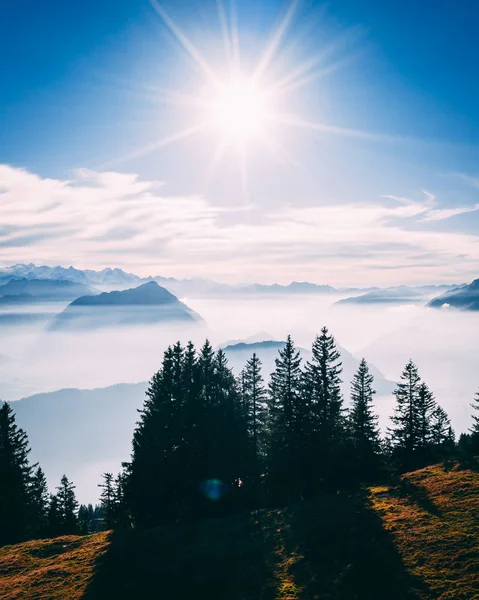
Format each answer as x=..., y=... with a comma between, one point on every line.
x=462, y=296
x=398, y=295
x=146, y=304
x=465, y=297
x=116, y=279
x=32, y=290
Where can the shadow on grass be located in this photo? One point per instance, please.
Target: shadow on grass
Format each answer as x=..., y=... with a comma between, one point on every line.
x=212, y=559
x=333, y=547
x=418, y=495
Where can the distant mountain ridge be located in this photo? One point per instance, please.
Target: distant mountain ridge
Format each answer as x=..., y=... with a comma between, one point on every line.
x=401, y=294
x=239, y=352
x=25, y=290
x=146, y=304
x=465, y=297
x=118, y=279
x=109, y=279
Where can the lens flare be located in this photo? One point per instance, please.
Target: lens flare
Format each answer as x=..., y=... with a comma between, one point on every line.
x=214, y=489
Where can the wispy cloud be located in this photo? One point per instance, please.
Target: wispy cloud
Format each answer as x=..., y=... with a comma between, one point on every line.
x=446, y=213
x=99, y=219
x=428, y=207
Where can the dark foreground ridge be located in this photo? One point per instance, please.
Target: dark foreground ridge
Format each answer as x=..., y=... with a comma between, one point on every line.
x=417, y=539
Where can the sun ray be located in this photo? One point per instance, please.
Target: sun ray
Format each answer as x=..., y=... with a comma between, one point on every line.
x=305, y=72
x=276, y=150
x=235, y=44
x=325, y=128
x=166, y=141
x=218, y=154
x=185, y=42
x=244, y=173
x=286, y=87
x=225, y=32
x=275, y=41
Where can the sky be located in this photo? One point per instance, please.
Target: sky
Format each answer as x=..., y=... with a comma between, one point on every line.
x=263, y=141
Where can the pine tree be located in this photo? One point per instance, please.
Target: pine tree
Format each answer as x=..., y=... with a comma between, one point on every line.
x=15, y=478
x=323, y=396
x=228, y=428
x=84, y=520
x=443, y=439
x=475, y=419
x=363, y=424
x=404, y=433
x=67, y=506
x=425, y=409
x=153, y=471
x=255, y=403
x=54, y=517
x=120, y=496
x=39, y=500
x=108, y=500
x=289, y=419
x=187, y=437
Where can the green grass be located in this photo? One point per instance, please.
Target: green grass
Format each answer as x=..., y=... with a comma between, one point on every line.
x=415, y=540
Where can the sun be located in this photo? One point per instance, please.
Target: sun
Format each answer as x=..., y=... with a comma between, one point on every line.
x=246, y=104
x=240, y=110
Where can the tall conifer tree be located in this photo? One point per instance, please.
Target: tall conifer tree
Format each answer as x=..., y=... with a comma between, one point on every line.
x=39, y=500
x=363, y=423
x=255, y=402
x=404, y=433
x=426, y=406
x=323, y=396
x=152, y=487
x=475, y=418
x=108, y=500
x=54, y=517
x=15, y=479
x=289, y=424
x=67, y=506
x=443, y=439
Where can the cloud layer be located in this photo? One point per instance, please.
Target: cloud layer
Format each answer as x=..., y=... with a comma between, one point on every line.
x=115, y=219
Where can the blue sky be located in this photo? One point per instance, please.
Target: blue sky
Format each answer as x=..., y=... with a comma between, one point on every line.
x=388, y=196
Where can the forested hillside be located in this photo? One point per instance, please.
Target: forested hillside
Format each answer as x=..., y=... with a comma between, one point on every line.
x=283, y=469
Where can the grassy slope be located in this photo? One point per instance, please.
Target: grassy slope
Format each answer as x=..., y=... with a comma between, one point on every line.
x=434, y=518
x=418, y=539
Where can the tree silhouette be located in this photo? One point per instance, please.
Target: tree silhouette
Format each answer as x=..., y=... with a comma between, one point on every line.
x=15, y=479
x=404, y=433
x=363, y=424
x=67, y=506
x=108, y=500
x=289, y=424
x=323, y=397
x=475, y=419
x=39, y=501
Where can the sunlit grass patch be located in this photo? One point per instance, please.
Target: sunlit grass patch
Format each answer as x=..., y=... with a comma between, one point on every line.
x=433, y=514
x=50, y=569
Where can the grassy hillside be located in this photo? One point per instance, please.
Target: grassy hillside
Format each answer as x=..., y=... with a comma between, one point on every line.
x=418, y=539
